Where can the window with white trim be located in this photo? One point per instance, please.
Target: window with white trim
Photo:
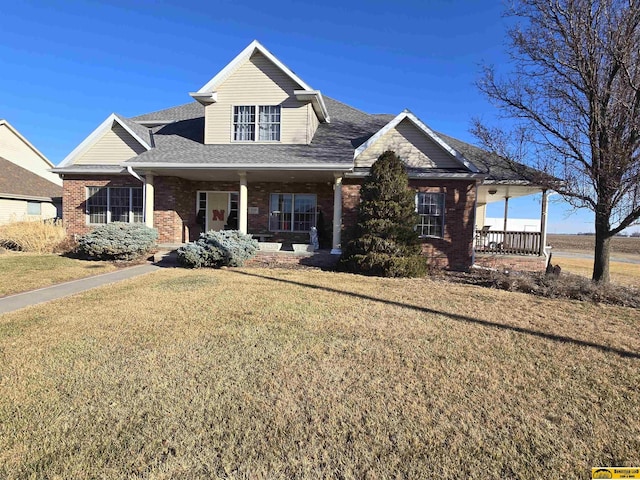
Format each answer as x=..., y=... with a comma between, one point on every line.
x=114, y=204
x=292, y=212
x=430, y=207
x=244, y=123
x=267, y=123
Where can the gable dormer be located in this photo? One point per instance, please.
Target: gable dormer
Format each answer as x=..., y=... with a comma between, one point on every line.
x=257, y=99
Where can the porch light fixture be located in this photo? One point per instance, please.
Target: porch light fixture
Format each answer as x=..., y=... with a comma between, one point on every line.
x=493, y=191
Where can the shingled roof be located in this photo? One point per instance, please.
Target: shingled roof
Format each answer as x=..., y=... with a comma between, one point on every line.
x=182, y=140
x=178, y=138
x=18, y=182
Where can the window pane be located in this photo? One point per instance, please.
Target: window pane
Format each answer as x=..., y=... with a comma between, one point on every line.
x=281, y=210
x=34, y=208
x=244, y=123
x=97, y=204
x=269, y=123
x=431, y=212
x=304, y=216
x=119, y=202
x=137, y=205
x=202, y=201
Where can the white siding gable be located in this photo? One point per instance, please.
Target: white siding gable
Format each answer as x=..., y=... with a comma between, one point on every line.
x=259, y=81
x=412, y=145
x=115, y=146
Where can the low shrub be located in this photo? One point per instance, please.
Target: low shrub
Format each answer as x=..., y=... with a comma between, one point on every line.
x=37, y=236
x=229, y=248
x=565, y=285
x=117, y=241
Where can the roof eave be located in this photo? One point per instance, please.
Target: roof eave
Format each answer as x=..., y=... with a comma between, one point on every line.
x=117, y=169
x=17, y=196
x=317, y=102
x=205, y=98
x=429, y=175
x=343, y=167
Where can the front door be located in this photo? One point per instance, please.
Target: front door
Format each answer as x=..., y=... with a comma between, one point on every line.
x=217, y=210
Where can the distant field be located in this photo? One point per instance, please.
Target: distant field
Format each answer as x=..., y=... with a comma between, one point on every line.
x=586, y=243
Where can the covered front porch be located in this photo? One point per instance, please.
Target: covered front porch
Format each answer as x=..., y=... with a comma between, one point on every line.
x=506, y=235
x=278, y=207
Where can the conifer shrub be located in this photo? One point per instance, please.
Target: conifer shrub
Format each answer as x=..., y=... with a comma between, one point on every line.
x=229, y=248
x=117, y=241
x=384, y=241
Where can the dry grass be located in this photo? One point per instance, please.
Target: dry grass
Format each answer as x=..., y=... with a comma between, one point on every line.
x=259, y=373
x=37, y=236
x=21, y=272
x=586, y=243
x=627, y=274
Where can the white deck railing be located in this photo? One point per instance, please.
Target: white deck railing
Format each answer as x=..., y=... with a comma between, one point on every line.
x=508, y=243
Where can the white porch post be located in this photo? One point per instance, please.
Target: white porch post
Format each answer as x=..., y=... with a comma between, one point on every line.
x=148, y=200
x=543, y=223
x=506, y=212
x=337, y=215
x=243, y=203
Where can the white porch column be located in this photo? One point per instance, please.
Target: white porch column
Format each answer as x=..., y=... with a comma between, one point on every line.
x=506, y=212
x=543, y=223
x=337, y=216
x=243, y=203
x=148, y=200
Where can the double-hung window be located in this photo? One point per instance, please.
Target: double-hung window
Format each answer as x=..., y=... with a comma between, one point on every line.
x=292, y=212
x=114, y=204
x=244, y=123
x=267, y=123
x=430, y=208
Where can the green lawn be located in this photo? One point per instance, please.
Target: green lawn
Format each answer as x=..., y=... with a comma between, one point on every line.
x=27, y=271
x=265, y=373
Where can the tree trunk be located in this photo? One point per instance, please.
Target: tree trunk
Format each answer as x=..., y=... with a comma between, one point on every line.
x=602, y=250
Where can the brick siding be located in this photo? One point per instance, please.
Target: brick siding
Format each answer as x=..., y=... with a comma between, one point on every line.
x=175, y=210
x=175, y=205
x=455, y=249
x=74, y=198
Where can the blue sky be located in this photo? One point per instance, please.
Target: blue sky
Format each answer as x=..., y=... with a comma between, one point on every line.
x=66, y=65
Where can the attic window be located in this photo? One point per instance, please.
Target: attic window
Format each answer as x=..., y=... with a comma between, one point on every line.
x=244, y=123
x=267, y=121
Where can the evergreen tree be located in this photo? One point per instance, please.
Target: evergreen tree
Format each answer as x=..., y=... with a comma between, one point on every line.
x=384, y=241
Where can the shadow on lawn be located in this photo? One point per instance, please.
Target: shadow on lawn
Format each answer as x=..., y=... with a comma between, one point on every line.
x=457, y=317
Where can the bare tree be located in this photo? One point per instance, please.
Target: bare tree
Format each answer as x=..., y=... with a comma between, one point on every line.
x=574, y=100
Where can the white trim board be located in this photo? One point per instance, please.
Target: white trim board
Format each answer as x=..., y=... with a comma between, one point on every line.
x=406, y=114
x=96, y=135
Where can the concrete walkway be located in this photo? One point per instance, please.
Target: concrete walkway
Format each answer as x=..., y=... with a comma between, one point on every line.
x=46, y=294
